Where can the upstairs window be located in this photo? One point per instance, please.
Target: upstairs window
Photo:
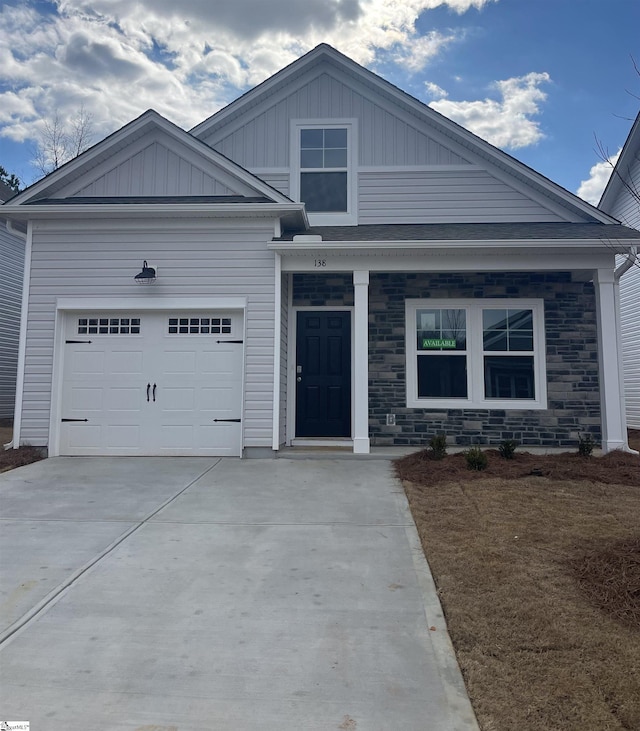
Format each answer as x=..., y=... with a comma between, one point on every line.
x=323, y=170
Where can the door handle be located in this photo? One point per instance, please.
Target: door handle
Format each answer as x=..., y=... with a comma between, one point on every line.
x=154, y=391
x=299, y=378
x=148, y=389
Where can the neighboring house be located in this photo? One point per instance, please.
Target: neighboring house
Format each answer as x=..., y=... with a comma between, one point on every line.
x=11, y=274
x=428, y=284
x=621, y=199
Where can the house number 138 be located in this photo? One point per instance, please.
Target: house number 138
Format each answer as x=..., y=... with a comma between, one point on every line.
x=319, y=263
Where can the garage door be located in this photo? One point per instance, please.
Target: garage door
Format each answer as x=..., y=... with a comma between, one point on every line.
x=165, y=383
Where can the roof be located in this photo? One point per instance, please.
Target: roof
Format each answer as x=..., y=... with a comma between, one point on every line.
x=467, y=232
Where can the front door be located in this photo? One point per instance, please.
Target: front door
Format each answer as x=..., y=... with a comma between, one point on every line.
x=323, y=374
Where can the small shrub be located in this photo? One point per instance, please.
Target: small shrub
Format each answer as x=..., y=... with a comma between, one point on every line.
x=585, y=445
x=476, y=459
x=508, y=448
x=438, y=446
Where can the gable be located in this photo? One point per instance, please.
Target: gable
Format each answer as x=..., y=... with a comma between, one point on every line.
x=156, y=165
x=396, y=134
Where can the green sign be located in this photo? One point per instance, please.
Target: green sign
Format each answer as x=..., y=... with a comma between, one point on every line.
x=429, y=343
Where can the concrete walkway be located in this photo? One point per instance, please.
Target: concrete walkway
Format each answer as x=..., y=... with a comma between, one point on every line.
x=203, y=594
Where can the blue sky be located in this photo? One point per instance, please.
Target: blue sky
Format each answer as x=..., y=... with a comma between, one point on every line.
x=538, y=78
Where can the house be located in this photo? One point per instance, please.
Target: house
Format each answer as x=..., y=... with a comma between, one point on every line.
x=621, y=199
x=11, y=273
x=324, y=261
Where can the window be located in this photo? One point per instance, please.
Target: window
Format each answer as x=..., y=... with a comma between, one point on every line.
x=199, y=325
x=475, y=353
x=108, y=326
x=323, y=169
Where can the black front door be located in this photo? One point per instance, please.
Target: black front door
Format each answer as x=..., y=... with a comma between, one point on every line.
x=323, y=374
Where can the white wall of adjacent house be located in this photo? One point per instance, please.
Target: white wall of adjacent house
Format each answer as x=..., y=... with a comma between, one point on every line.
x=197, y=258
x=11, y=273
x=405, y=172
x=627, y=210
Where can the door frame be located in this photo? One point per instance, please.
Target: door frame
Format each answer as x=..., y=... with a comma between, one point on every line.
x=292, y=347
x=67, y=307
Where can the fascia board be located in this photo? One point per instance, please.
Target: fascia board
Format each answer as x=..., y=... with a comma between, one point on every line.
x=166, y=210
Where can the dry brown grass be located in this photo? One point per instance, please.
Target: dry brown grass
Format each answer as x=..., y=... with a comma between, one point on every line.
x=539, y=577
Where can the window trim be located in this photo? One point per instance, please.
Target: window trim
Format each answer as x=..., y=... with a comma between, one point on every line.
x=336, y=218
x=475, y=354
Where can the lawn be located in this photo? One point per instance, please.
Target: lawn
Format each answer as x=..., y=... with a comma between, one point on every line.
x=537, y=564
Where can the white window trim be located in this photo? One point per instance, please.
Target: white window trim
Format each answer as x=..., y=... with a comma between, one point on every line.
x=475, y=361
x=350, y=217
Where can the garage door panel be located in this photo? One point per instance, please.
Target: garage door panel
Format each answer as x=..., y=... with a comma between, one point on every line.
x=196, y=381
x=125, y=362
x=82, y=362
x=177, y=399
x=86, y=399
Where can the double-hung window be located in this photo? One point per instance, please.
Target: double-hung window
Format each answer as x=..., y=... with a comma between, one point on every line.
x=486, y=353
x=323, y=170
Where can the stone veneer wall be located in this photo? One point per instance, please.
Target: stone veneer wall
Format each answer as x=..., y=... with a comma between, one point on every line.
x=571, y=341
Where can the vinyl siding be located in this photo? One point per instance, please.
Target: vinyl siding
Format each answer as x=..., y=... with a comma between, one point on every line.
x=155, y=170
x=11, y=273
x=630, y=329
x=443, y=196
x=194, y=259
x=263, y=142
x=626, y=209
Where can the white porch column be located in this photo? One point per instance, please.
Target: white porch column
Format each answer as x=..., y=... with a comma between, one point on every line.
x=361, y=362
x=614, y=421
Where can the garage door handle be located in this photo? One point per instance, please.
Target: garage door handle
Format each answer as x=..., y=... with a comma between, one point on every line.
x=148, y=389
x=154, y=391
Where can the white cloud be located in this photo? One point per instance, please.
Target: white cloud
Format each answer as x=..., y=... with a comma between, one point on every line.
x=592, y=188
x=117, y=58
x=505, y=123
x=435, y=91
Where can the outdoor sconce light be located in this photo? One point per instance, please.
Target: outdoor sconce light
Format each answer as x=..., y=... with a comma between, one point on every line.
x=148, y=275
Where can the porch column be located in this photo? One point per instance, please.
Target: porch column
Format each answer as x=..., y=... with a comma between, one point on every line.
x=361, y=362
x=614, y=422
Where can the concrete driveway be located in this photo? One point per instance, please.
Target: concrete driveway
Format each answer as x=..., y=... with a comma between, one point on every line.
x=180, y=593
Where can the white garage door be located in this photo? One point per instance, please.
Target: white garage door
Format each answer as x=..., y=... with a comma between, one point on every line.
x=152, y=384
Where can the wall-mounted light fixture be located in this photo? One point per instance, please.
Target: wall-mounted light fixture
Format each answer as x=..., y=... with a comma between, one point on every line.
x=148, y=275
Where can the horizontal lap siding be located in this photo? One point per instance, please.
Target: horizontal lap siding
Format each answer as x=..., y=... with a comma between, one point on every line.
x=630, y=327
x=193, y=259
x=442, y=196
x=11, y=273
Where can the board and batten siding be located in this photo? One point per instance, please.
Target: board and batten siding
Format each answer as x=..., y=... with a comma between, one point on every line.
x=155, y=170
x=194, y=259
x=383, y=137
x=460, y=195
x=11, y=274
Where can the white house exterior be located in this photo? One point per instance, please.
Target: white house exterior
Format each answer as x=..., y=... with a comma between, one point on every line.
x=336, y=264
x=621, y=199
x=11, y=274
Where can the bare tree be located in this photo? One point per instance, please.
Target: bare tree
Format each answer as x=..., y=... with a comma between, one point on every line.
x=61, y=140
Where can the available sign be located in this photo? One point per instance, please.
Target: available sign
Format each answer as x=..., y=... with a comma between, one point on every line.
x=429, y=343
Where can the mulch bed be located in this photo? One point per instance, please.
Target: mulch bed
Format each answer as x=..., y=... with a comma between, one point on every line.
x=12, y=458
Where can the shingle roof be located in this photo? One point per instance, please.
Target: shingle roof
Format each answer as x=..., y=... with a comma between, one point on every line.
x=467, y=232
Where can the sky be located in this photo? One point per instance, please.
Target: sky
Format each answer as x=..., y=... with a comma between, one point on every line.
x=551, y=82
